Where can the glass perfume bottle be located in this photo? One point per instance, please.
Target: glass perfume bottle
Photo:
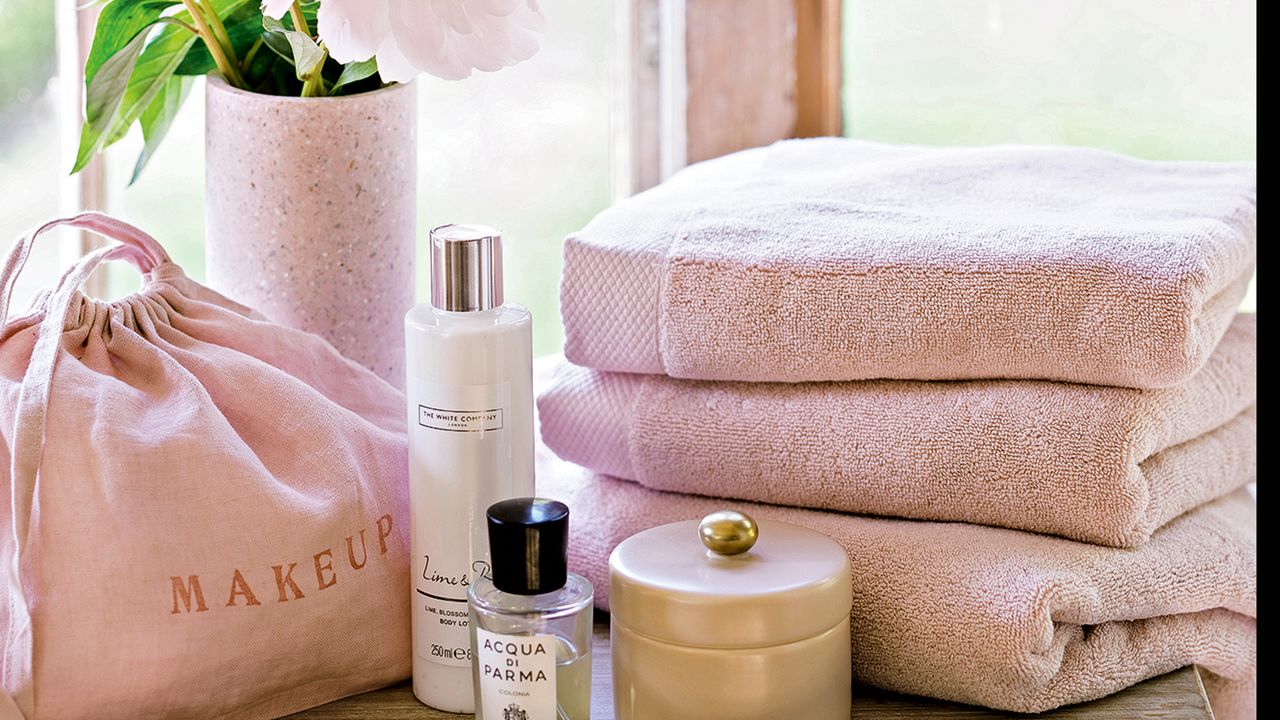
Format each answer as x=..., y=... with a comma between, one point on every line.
x=531, y=619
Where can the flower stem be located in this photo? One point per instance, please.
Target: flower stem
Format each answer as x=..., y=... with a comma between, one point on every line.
x=220, y=32
x=253, y=52
x=313, y=86
x=228, y=70
x=189, y=28
x=299, y=20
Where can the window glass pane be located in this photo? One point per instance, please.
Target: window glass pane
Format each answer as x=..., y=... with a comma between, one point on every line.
x=30, y=173
x=1161, y=79
x=526, y=149
x=1153, y=78
x=168, y=198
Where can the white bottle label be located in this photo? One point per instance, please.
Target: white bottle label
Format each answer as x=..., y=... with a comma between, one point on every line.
x=460, y=464
x=517, y=676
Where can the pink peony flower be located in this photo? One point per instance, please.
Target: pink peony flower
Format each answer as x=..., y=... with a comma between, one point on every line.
x=447, y=38
x=275, y=8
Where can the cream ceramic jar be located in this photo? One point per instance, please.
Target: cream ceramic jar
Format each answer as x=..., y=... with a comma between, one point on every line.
x=760, y=634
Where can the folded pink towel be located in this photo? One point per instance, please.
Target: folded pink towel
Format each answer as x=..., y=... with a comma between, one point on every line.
x=1101, y=464
x=988, y=616
x=835, y=259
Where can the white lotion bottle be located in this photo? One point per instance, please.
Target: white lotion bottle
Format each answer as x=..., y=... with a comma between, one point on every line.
x=470, y=396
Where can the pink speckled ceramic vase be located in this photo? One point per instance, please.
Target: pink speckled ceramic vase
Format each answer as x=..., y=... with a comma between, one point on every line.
x=310, y=213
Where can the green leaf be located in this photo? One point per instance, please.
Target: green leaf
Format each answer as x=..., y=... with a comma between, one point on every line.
x=278, y=44
x=243, y=20
x=105, y=94
x=258, y=67
x=119, y=22
x=306, y=55
x=154, y=68
x=282, y=80
x=226, y=7
x=157, y=118
x=310, y=11
x=355, y=72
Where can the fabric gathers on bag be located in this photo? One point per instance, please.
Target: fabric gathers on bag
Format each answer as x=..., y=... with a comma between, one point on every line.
x=228, y=493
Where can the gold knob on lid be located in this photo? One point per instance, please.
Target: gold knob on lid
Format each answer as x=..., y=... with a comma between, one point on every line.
x=728, y=532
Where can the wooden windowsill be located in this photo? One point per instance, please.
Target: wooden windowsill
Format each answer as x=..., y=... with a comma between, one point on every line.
x=1176, y=696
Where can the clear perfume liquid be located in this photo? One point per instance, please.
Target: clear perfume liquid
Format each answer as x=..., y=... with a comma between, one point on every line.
x=573, y=681
x=508, y=635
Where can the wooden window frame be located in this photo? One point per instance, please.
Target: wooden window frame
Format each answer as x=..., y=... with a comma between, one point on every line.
x=703, y=78
x=87, y=189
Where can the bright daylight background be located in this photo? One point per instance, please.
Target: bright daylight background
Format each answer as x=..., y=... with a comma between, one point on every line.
x=529, y=149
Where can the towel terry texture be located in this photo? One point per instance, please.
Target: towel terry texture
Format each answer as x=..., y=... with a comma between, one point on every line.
x=1105, y=465
x=836, y=259
x=990, y=616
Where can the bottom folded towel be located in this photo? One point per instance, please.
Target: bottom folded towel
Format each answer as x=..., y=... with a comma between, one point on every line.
x=989, y=616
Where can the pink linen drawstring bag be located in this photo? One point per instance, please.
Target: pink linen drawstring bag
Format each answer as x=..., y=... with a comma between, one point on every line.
x=207, y=511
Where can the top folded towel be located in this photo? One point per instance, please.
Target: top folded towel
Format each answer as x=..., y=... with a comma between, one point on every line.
x=835, y=259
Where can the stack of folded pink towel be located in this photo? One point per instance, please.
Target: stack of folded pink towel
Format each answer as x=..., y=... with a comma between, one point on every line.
x=1010, y=381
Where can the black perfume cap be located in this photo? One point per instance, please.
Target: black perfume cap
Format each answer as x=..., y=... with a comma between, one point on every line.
x=528, y=545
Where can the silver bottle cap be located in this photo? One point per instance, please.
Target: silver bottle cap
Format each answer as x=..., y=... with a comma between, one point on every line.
x=466, y=268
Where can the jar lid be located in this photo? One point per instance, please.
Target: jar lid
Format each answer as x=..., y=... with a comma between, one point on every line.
x=792, y=584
